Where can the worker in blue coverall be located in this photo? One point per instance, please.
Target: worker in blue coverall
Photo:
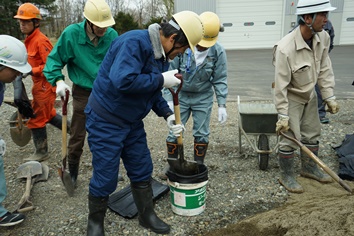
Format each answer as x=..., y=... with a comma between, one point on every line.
x=13, y=62
x=204, y=73
x=128, y=86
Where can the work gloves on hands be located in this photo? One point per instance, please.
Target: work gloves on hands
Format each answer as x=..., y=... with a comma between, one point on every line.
x=176, y=129
x=282, y=124
x=169, y=78
x=21, y=99
x=332, y=105
x=222, y=115
x=61, y=88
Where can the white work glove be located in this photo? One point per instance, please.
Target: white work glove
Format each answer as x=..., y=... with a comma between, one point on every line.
x=61, y=87
x=222, y=115
x=169, y=78
x=282, y=124
x=332, y=104
x=2, y=147
x=170, y=104
x=175, y=129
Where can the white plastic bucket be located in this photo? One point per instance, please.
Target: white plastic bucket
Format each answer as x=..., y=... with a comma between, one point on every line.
x=187, y=199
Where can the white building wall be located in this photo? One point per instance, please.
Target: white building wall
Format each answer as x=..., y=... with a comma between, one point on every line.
x=347, y=29
x=260, y=24
x=250, y=23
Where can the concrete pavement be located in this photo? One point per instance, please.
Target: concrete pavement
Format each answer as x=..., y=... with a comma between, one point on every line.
x=250, y=73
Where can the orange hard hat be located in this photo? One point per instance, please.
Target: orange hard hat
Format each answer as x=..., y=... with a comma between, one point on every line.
x=28, y=11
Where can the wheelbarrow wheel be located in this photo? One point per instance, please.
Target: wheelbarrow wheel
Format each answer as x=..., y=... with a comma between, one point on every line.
x=263, y=158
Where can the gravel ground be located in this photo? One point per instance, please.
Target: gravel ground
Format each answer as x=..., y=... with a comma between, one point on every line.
x=237, y=188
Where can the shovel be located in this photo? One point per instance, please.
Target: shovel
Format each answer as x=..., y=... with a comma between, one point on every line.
x=45, y=174
x=318, y=161
x=19, y=132
x=180, y=165
x=28, y=170
x=63, y=174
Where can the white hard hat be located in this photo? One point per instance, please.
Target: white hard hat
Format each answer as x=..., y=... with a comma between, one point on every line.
x=313, y=6
x=13, y=54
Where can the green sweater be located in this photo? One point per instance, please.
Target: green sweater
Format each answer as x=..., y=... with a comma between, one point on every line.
x=75, y=50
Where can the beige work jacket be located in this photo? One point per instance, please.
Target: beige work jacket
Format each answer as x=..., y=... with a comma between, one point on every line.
x=298, y=68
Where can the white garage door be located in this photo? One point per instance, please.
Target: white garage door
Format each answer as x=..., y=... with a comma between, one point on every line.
x=255, y=24
x=347, y=30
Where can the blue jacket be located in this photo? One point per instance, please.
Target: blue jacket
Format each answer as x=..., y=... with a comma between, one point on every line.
x=210, y=75
x=129, y=81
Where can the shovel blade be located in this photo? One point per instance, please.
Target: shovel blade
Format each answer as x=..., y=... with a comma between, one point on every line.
x=182, y=166
x=66, y=179
x=20, y=133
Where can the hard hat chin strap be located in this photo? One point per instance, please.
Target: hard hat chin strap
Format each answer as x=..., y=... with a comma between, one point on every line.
x=91, y=27
x=310, y=25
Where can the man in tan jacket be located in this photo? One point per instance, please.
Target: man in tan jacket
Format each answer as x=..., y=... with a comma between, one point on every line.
x=301, y=60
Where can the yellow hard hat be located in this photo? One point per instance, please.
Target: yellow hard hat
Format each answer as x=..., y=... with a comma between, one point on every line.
x=28, y=11
x=98, y=13
x=211, y=25
x=191, y=26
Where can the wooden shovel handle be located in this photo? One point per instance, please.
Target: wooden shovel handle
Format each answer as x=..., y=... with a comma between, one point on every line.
x=318, y=161
x=176, y=107
x=64, y=126
x=25, y=197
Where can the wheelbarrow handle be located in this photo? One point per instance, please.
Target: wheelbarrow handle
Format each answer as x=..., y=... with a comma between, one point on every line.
x=318, y=161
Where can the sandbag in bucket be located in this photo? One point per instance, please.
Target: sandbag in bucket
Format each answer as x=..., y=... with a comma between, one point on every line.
x=188, y=193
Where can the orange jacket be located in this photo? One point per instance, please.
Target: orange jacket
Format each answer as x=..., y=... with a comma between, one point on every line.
x=38, y=47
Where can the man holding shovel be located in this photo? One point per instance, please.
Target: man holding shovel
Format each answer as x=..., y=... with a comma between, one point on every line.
x=13, y=62
x=81, y=47
x=301, y=60
x=128, y=86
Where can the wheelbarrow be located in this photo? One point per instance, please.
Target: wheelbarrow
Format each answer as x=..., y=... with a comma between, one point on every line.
x=258, y=120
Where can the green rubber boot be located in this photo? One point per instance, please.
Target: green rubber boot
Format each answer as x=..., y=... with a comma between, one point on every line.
x=41, y=145
x=309, y=168
x=287, y=174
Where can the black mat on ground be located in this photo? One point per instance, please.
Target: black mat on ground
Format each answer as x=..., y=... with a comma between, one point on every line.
x=122, y=202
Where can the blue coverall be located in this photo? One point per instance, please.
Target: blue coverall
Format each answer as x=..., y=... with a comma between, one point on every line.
x=127, y=87
x=3, y=190
x=199, y=85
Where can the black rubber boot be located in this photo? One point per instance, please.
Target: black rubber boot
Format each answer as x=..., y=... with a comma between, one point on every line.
x=200, y=150
x=57, y=122
x=142, y=194
x=172, y=153
x=74, y=172
x=309, y=168
x=172, y=150
x=287, y=174
x=41, y=145
x=97, y=213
